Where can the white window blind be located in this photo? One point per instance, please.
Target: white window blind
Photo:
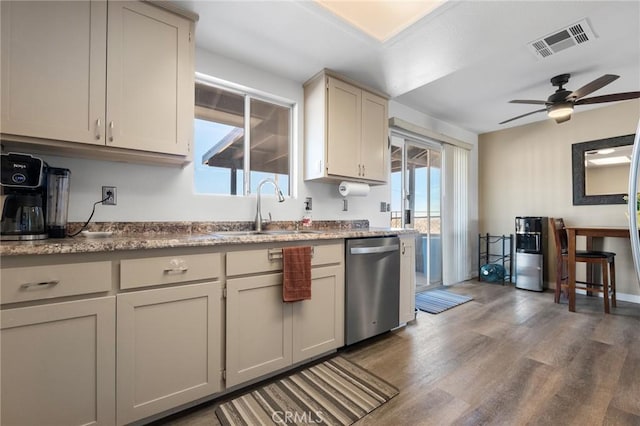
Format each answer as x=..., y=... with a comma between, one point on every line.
x=455, y=245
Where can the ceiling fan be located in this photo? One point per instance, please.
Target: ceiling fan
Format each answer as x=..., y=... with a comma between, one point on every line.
x=559, y=105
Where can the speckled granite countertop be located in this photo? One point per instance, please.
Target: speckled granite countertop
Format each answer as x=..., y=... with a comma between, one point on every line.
x=156, y=235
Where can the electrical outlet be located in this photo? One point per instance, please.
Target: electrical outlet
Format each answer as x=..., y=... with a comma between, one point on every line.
x=109, y=195
x=383, y=207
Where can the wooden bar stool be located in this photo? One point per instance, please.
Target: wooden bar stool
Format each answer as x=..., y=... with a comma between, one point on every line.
x=605, y=259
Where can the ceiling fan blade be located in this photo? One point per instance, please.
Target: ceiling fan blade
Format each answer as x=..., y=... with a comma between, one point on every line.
x=608, y=98
x=528, y=101
x=523, y=115
x=563, y=119
x=596, y=84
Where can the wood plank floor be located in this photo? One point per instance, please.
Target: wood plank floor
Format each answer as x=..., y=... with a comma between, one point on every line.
x=509, y=357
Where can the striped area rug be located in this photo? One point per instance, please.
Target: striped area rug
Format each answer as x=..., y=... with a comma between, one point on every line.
x=334, y=392
x=436, y=301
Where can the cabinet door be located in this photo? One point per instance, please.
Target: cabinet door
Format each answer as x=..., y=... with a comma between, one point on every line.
x=54, y=69
x=407, y=278
x=258, y=328
x=58, y=364
x=150, y=79
x=318, y=324
x=375, y=130
x=344, y=109
x=169, y=348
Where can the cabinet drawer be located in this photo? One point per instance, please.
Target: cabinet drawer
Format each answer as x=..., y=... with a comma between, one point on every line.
x=328, y=254
x=135, y=273
x=270, y=260
x=44, y=282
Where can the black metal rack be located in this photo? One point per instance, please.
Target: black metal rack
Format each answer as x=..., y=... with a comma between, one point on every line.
x=498, y=250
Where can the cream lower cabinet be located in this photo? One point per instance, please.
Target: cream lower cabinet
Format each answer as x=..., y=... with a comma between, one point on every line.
x=407, y=278
x=265, y=334
x=258, y=328
x=168, y=348
x=58, y=363
x=318, y=324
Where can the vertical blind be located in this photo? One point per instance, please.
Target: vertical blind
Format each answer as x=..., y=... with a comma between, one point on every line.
x=456, y=224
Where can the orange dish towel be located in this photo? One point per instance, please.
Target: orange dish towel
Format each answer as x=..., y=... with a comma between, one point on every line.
x=296, y=265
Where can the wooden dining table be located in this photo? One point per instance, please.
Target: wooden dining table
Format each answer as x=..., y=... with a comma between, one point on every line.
x=590, y=232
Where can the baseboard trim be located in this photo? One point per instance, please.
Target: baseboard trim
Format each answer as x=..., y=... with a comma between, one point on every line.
x=633, y=298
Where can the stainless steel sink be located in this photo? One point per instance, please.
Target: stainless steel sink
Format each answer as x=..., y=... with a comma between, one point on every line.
x=289, y=231
x=265, y=232
x=234, y=233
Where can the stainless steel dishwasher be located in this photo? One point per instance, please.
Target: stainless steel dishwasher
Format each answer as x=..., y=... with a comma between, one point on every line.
x=372, y=287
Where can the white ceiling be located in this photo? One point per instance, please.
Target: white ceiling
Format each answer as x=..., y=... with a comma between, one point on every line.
x=461, y=64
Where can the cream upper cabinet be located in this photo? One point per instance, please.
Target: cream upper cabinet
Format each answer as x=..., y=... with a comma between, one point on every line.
x=58, y=363
x=346, y=130
x=407, y=278
x=114, y=74
x=374, y=150
x=150, y=85
x=54, y=69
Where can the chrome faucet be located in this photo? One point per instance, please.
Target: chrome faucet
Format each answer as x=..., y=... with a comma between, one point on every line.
x=258, y=225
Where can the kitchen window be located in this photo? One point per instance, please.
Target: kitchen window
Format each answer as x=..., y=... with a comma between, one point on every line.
x=240, y=138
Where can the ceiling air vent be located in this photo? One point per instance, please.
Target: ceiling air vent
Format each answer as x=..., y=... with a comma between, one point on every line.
x=573, y=35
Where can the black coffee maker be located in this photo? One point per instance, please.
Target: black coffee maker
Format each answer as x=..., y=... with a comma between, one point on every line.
x=35, y=198
x=23, y=196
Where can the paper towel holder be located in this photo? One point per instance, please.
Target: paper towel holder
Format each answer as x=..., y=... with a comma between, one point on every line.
x=347, y=189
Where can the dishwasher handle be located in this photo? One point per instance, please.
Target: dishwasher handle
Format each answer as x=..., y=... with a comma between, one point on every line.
x=373, y=250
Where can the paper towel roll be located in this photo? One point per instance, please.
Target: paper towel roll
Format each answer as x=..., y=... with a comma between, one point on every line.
x=354, y=189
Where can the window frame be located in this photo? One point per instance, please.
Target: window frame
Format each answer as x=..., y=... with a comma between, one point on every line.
x=248, y=95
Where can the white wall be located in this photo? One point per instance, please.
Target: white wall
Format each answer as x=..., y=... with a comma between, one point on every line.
x=160, y=193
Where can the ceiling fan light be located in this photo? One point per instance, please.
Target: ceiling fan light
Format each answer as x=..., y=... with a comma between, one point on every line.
x=560, y=110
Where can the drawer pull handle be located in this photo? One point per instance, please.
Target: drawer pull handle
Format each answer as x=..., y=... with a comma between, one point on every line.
x=176, y=266
x=276, y=254
x=177, y=270
x=40, y=284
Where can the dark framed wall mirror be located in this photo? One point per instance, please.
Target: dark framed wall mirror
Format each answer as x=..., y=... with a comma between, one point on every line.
x=601, y=170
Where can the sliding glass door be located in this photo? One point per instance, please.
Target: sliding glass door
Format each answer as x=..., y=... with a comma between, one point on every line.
x=416, y=171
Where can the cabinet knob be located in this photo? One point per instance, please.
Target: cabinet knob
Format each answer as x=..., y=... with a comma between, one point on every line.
x=98, y=125
x=111, y=126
